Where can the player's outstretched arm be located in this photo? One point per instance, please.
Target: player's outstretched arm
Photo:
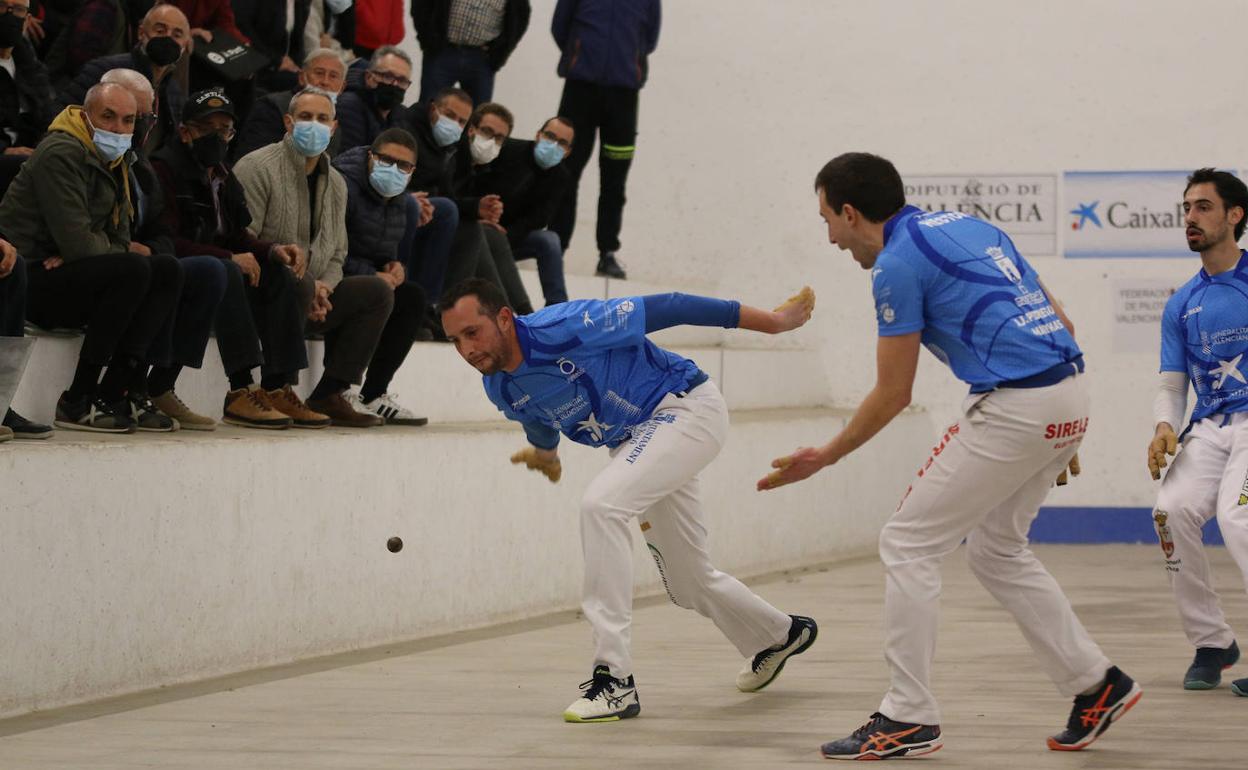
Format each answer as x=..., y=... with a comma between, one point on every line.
x=544, y=461
x=791, y=314
x=897, y=359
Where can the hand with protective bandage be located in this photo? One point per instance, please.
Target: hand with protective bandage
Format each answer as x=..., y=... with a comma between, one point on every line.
x=544, y=461
x=1072, y=468
x=796, y=310
x=1164, y=443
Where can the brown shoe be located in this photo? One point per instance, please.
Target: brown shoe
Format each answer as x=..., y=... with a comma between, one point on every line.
x=343, y=414
x=250, y=407
x=171, y=406
x=285, y=401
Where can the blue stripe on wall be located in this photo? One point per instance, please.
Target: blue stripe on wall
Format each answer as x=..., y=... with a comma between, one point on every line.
x=1061, y=524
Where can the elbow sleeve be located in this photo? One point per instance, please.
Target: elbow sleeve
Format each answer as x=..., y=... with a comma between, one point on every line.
x=1170, y=403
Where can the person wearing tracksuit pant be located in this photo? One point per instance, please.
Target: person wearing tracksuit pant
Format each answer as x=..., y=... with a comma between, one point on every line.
x=585, y=369
x=957, y=285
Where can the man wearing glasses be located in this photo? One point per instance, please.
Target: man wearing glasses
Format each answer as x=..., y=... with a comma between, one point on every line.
x=266, y=124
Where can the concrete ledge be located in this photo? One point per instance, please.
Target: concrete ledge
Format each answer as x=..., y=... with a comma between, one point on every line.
x=135, y=562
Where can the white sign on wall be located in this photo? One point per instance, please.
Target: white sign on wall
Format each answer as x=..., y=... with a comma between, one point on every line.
x=1137, y=306
x=1025, y=207
x=1124, y=213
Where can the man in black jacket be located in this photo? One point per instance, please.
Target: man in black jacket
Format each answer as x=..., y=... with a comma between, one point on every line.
x=466, y=42
x=25, y=94
x=164, y=38
x=376, y=180
x=265, y=22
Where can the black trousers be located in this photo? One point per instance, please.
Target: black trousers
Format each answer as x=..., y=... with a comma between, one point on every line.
x=122, y=300
x=13, y=300
x=407, y=317
x=263, y=325
x=611, y=111
x=353, y=327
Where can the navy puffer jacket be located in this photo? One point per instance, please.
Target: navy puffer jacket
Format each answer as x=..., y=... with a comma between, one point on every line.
x=374, y=224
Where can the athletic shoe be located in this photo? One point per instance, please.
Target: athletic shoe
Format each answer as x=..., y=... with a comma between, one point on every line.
x=288, y=403
x=1093, y=714
x=19, y=427
x=883, y=738
x=170, y=404
x=147, y=417
x=606, y=699
x=388, y=408
x=609, y=266
x=1240, y=687
x=768, y=664
x=1205, y=673
x=91, y=413
x=343, y=414
x=250, y=407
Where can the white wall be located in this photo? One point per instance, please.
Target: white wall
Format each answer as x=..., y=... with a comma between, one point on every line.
x=747, y=100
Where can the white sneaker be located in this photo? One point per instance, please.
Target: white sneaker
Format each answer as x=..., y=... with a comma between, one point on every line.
x=606, y=699
x=392, y=411
x=766, y=665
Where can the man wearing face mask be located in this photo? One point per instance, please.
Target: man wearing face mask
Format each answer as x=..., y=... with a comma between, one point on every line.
x=164, y=38
x=378, y=87
x=531, y=180
x=25, y=95
x=69, y=212
x=376, y=180
x=296, y=196
x=261, y=318
x=266, y=123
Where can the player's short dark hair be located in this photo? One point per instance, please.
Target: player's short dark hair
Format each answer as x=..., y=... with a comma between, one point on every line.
x=1231, y=189
x=399, y=136
x=495, y=109
x=446, y=93
x=490, y=297
x=867, y=182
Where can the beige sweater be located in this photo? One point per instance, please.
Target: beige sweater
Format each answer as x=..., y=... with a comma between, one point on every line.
x=276, y=186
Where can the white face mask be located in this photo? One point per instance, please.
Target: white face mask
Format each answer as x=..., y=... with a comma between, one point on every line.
x=484, y=149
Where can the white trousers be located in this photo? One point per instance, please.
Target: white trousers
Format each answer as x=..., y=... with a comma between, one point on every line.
x=1209, y=477
x=984, y=482
x=654, y=477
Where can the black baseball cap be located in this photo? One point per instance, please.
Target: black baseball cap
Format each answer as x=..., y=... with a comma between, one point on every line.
x=201, y=104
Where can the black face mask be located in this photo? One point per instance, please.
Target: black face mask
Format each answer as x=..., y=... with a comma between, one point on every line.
x=10, y=30
x=387, y=96
x=163, y=51
x=209, y=150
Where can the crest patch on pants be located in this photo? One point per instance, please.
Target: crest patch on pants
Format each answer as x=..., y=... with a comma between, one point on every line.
x=1163, y=533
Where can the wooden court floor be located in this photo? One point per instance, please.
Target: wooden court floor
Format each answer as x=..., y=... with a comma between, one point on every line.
x=492, y=699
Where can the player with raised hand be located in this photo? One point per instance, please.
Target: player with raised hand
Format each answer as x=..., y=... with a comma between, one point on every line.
x=957, y=285
x=585, y=369
x=1204, y=339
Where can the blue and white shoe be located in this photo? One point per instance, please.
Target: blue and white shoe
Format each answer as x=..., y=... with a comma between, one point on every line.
x=1205, y=673
x=605, y=699
x=767, y=665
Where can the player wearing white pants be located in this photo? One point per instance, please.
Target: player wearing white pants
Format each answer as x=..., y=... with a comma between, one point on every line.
x=1204, y=342
x=957, y=285
x=585, y=370
x=654, y=477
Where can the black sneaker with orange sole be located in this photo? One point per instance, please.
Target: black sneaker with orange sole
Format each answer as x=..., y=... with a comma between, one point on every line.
x=1093, y=714
x=883, y=738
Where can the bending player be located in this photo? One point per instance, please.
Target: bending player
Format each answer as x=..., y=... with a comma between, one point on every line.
x=585, y=368
x=957, y=285
x=1204, y=332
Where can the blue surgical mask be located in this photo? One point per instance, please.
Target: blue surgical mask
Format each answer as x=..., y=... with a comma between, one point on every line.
x=387, y=180
x=446, y=131
x=310, y=138
x=111, y=146
x=547, y=153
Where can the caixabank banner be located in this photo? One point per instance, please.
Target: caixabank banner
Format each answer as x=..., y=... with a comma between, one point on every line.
x=1124, y=214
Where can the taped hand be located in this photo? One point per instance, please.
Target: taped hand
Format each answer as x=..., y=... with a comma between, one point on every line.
x=1072, y=468
x=1164, y=443
x=545, y=461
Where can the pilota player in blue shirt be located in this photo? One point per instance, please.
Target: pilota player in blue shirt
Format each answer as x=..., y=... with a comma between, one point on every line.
x=585, y=370
x=1204, y=339
x=957, y=285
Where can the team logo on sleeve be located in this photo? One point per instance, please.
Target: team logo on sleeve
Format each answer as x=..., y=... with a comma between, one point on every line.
x=1163, y=533
x=887, y=314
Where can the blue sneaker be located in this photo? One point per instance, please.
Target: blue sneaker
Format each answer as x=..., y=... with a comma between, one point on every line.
x=1205, y=673
x=1093, y=714
x=1240, y=687
x=882, y=738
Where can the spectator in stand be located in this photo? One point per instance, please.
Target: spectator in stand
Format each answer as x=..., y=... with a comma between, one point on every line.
x=206, y=15
x=68, y=212
x=376, y=90
x=13, y=324
x=73, y=32
x=604, y=45
x=260, y=322
x=476, y=169
x=25, y=93
x=465, y=42
x=275, y=29
x=266, y=123
x=294, y=195
x=376, y=180
x=164, y=38
x=184, y=336
x=327, y=21
x=532, y=181
x=377, y=23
